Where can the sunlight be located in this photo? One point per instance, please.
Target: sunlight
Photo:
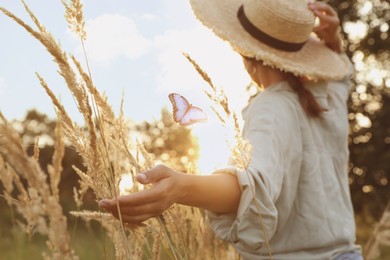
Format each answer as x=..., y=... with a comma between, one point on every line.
x=363, y=121
x=356, y=30
x=179, y=76
x=126, y=184
x=361, y=89
x=387, y=83
x=376, y=76
x=384, y=27
x=213, y=148
x=367, y=188
x=366, y=8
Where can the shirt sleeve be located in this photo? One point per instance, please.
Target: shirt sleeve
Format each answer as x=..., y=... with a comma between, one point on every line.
x=260, y=183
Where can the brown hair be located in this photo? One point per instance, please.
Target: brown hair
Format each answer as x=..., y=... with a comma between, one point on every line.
x=306, y=98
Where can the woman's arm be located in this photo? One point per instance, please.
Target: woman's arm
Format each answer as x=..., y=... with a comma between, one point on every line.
x=218, y=192
x=329, y=28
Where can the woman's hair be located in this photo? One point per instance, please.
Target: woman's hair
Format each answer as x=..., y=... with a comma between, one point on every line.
x=306, y=98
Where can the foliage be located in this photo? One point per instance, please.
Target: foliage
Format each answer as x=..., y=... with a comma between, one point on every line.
x=107, y=154
x=369, y=103
x=34, y=194
x=171, y=143
x=369, y=108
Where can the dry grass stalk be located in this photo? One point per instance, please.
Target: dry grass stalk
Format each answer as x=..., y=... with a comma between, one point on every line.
x=55, y=169
x=36, y=149
x=36, y=200
x=105, y=154
x=87, y=145
x=101, y=101
x=157, y=244
x=102, y=174
x=379, y=237
x=75, y=17
x=217, y=95
x=83, y=144
x=195, y=240
x=241, y=151
x=110, y=224
x=106, y=151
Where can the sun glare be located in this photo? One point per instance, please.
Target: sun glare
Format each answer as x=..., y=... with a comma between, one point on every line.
x=363, y=121
x=356, y=30
x=366, y=8
x=230, y=75
x=213, y=147
x=125, y=184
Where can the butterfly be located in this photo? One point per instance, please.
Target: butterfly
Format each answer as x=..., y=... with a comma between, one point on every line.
x=184, y=113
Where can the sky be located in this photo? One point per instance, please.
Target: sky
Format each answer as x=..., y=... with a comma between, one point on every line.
x=134, y=47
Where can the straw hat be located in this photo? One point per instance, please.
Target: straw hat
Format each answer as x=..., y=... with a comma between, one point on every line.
x=278, y=32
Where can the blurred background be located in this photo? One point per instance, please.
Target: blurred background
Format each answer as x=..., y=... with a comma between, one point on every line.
x=154, y=68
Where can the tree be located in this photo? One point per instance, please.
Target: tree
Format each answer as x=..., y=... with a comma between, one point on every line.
x=166, y=140
x=170, y=142
x=365, y=28
x=38, y=126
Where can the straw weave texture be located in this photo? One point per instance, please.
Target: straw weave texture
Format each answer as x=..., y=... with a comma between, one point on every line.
x=314, y=60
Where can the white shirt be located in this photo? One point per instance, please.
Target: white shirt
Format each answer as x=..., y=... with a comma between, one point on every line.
x=299, y=172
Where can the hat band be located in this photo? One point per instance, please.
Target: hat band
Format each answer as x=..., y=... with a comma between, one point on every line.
x=265, y=38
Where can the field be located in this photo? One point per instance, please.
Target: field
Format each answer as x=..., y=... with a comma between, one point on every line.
x=49, y=192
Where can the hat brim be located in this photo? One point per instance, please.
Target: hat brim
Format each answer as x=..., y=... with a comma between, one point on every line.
x=315, y=60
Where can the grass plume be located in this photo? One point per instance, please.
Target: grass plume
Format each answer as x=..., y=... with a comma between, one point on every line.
x=379, y=237
x=180, y=233
x=241, y=151
x=35, y=198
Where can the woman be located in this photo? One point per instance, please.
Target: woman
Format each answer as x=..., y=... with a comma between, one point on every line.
x=297, y=127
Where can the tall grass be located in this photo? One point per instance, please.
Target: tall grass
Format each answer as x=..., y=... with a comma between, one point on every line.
x=35, y=196
x=380, y=237
x=180, y=233
x=240, y=149
x=104, y=144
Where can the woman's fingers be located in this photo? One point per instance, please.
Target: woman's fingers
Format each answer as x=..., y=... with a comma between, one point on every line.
x=327, y=20
x=155, y=174
x=139, y=206
x=138, y=219
x=322, y=8
x=328, y=29
x=137, y=214
x=320, y=30
x=153, y=208
x=133, y=199
x=325, y=13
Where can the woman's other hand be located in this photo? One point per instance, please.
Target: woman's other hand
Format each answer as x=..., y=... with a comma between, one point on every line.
x=328, y=29
x=140, y=206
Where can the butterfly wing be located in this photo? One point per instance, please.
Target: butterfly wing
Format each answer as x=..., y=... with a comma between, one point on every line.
x=180, y=106
x=183, y=112
x=193, y=115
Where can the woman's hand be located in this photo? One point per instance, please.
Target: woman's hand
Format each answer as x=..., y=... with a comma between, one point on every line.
x=140, y=206
x=219, y=193
x=328, y=29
